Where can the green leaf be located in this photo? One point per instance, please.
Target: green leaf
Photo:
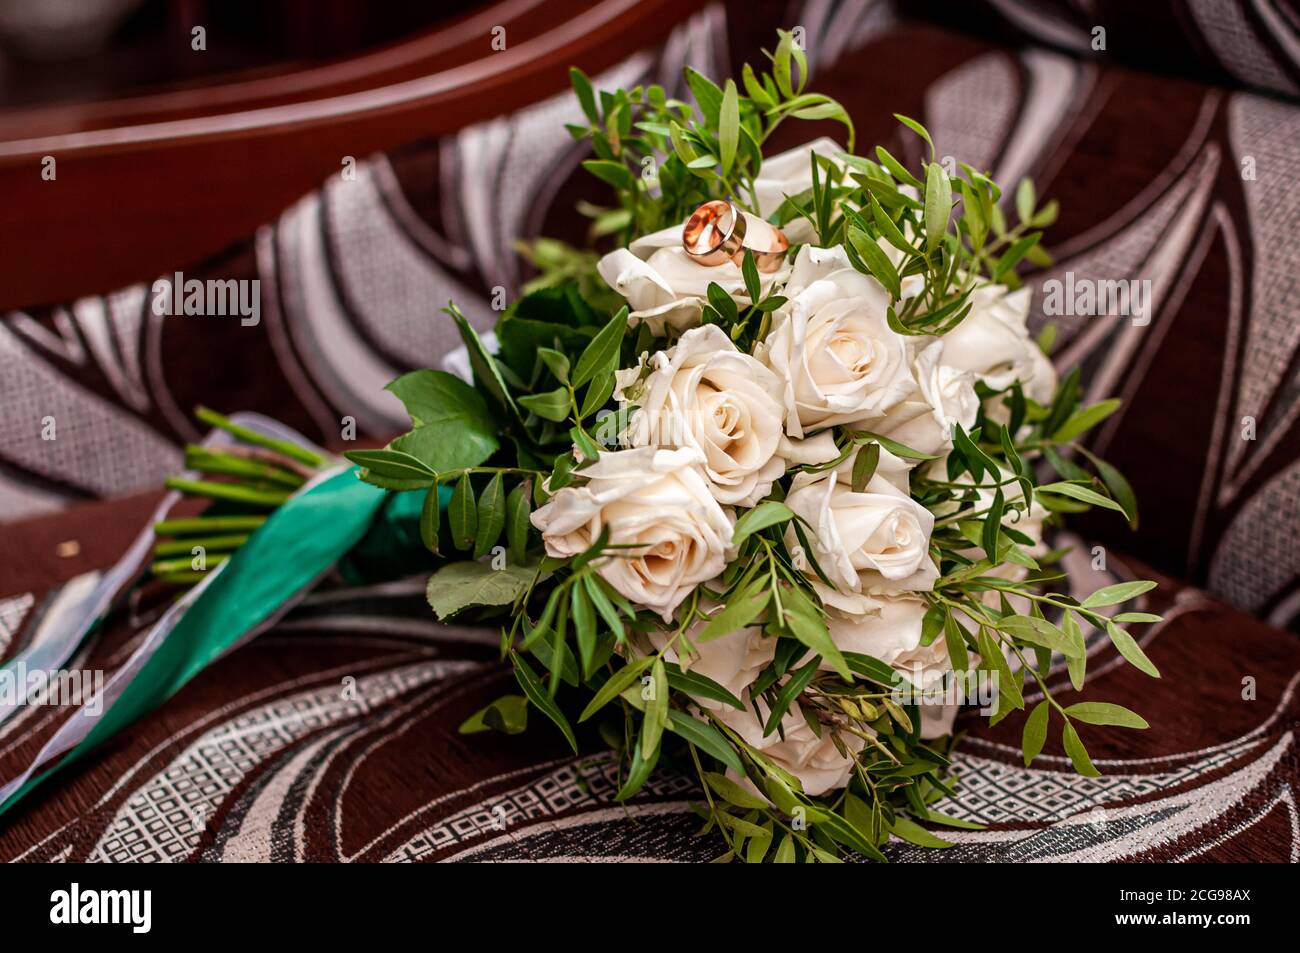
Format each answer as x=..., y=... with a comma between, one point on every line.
x=938, y=205
x=618, y=682
x=1082, y=494
x=601, y=388
x=508, y=714
x=896, y=168
x=872, y=668
x=706, y=738
x=1118, y=593
x=486, y=371
x=638, y=773
x=699, y=686
x=848, y=835
x=552, y=405
x=1078, y=665
x=728, y=126
x=758, y=845
x=753, y=283
x=556, y=362
x=467, y=583
x=893, y=446
x=807, y=624
x=596, y=589
x=1035, y=734
x=604, y=347
x=754, y=88
x=914, y=833
x=556, y=656
x=491, y=518
x=785, y=851
x=877, y=261
x=955, y=640
x=1046, y=215
x=993, y=660
x=582, y=440
x=586, y=96
x=391, y=463
x=1025, y=199
x=1040, y=632
x=832, y=110
x=1131, y=651
x=1077, y=752
x=889, y=229
x=1063, y=404
x=453, y=427
x=612, y=172
x=737, y=613
x=1105, y=713
x=769, y=513
x=584, y=624
x=993, y=526
x=706, y=93
x=789, y=693
x=518, y=510
x=396, y=484
x=1087, y=418
x=537, y=695
x=976, y=459
x=1011, y=257
x=461, y=514
x=656, y=713
x=864, y=466
x=1116, y=483
x=1137, y=617
x=920, y=130
x=430, y=518
x=781, y=66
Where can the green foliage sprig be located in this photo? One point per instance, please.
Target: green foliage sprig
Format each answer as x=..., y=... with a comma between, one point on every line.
x=664, y=156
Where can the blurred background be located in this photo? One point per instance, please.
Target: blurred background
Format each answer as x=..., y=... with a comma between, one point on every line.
x=54, y=51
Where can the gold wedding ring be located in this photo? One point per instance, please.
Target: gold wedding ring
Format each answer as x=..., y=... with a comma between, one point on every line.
x=772, y=257
x=715, y=235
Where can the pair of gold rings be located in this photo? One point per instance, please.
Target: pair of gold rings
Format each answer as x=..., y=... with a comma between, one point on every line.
x=715, y=235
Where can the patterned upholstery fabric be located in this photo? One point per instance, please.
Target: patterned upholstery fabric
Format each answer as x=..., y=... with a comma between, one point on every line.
x=333, y=738
x=1254, y=43
x=1182, y=182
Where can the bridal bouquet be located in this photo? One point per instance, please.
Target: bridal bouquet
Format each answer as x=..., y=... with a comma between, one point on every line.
x=765, y=491
x=764, y=494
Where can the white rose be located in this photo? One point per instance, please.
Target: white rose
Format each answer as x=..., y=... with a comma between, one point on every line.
x=892, y=633
x=654, y=498
x=789, y=174
x=733, y=660
x=832, y=346
x=815, y=762
x=993, y=342
x=890, y=629
x=668, y=289
x=705, y=393
x=873, y=542
x=944, y=395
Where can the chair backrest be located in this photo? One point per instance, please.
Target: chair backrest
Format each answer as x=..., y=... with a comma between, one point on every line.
x=151, y=183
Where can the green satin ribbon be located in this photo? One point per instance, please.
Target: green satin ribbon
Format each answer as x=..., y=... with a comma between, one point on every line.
x=335, y=518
